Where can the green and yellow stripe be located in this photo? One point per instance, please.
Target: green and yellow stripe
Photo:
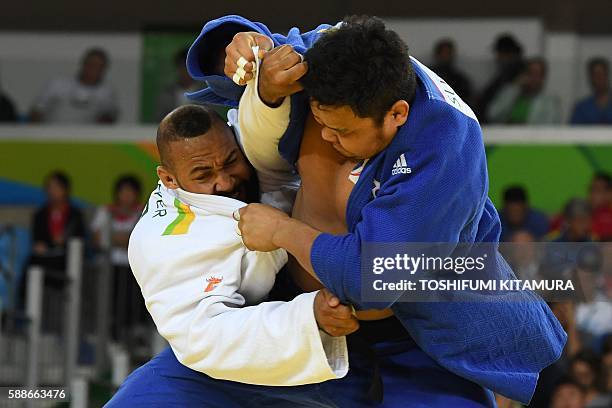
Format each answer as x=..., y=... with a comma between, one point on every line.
x=183, y=220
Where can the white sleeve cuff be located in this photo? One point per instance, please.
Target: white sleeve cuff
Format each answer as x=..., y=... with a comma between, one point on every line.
x=330, y=353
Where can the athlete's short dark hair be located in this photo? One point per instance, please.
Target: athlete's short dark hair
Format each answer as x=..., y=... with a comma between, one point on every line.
x=184, y=122
x=361, y=64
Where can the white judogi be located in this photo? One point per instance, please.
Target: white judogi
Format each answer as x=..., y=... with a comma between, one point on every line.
x=203, y=288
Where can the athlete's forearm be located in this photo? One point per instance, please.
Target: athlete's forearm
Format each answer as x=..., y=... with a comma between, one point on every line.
x=297, y=238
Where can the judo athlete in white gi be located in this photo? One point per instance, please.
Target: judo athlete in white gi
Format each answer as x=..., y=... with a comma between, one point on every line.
x=204, y=289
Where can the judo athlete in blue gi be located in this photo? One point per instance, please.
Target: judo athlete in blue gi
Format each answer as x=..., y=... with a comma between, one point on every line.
x=374, y=111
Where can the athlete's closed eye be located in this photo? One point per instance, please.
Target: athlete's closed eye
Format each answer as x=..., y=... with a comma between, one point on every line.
x=231, y=159
x=201, y=173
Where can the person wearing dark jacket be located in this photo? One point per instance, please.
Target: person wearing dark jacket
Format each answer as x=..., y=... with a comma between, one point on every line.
x=56, y=222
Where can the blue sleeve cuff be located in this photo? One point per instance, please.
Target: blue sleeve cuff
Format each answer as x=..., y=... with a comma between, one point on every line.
x=336, y=261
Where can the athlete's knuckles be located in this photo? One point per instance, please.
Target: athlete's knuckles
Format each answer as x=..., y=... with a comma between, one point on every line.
x=239, y=37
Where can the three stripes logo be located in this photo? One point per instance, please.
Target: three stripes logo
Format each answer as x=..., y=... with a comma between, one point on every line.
x=400, y=166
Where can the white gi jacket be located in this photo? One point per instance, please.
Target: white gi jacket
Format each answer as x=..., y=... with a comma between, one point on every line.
x=203, y=289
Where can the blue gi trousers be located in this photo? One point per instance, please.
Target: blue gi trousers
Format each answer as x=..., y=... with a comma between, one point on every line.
x=408, y=376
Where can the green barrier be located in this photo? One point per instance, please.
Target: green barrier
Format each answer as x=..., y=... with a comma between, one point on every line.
x=551, y=173
x=92, y=167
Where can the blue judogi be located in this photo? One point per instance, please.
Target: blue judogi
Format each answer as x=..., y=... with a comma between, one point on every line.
x=411, y=380
x=455, y=352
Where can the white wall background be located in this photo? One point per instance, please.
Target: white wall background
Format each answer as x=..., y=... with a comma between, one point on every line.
x=566, y=53
x=29, y=60
x=473, y=38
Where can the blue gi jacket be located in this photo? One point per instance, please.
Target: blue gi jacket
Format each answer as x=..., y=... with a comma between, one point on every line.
x=501, y=345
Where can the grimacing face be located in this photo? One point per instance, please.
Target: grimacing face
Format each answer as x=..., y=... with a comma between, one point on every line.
x=355, y=137
x=208, y=164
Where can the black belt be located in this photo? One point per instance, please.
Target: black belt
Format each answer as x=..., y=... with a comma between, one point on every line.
x=362, y=342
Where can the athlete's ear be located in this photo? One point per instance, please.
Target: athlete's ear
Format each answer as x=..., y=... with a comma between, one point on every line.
x=399, y=113
x=166, y=177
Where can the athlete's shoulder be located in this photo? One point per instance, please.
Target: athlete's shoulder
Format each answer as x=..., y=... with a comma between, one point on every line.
x=437, y=93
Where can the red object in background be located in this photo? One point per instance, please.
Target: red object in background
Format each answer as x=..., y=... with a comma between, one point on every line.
x=57, y=222
x=556, y=222
x=602, y=222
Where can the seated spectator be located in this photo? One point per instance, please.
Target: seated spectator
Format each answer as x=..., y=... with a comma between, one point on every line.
x=577, y=222
x=568, y=394
x=517, y=215
x=523, y=256
x=8, y=113
x=85, y=98
x=597, y=108
x=55, y=223
x=606, y=359
x=509, y=61
x=112, y=225
x=600, y=198
x=444, y=66
x=173, y=95
x=552, y=375
x=594, y=313
x=52, y=227
x=524, y=100
x=585, y=370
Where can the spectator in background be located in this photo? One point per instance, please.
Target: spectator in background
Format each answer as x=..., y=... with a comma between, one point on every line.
x=577, y=220
x=112, y=225
x=600, y=198
x=444, y=66
x=523, y=255
x=585, y=369
x=553, y=375
x=567, y=394
x=509, y=62
x=517, y=215
x=85, y=98
x=174, y=94
x=524, y=100
x=597, y=108
x=606, y=359
x=55, y=223
x=7, y=108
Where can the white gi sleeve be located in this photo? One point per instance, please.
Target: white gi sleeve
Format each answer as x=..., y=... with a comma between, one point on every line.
x=196, y=301
x=260, y=129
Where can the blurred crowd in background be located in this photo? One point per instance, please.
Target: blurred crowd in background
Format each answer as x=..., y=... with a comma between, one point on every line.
x=583, y=376
x=515, y=94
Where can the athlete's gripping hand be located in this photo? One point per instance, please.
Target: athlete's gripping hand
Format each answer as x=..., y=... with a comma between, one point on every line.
x=239, y=58
x=258, y=223
x=333, y=317
x=280, y=70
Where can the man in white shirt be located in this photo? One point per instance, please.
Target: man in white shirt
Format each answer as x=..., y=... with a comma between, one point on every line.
x=204, y=289
x=82, y=99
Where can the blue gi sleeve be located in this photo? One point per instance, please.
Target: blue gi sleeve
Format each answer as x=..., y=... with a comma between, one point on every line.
x=206, y=54
x=440, y=200
x=501, y=344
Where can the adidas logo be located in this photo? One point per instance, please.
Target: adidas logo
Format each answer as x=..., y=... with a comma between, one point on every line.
x=400, y=166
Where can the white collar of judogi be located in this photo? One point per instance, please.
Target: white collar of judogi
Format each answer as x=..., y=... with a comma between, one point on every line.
x=216, y=204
